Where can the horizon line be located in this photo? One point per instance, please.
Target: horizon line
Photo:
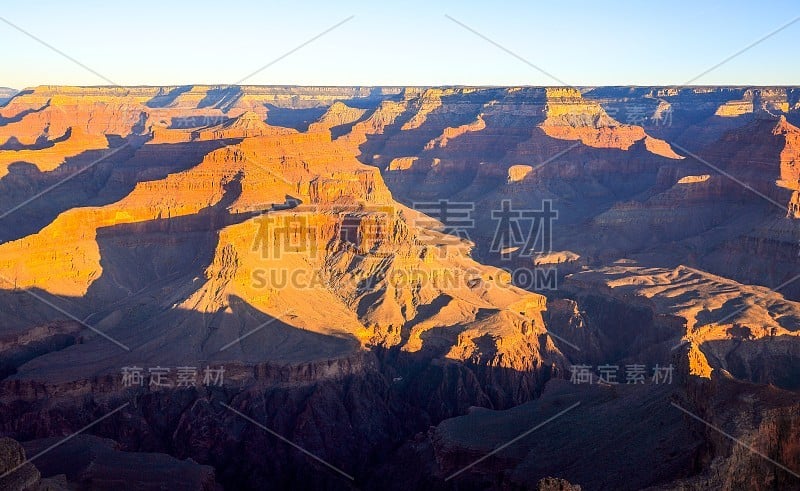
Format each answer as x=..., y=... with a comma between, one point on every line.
x=409, y=86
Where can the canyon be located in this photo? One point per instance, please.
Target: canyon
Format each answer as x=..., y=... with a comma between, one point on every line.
x=337, y=253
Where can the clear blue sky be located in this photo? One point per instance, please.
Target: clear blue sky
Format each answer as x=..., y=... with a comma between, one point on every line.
x=403, y=43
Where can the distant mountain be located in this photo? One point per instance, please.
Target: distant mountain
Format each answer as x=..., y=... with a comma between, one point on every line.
x=6, y=93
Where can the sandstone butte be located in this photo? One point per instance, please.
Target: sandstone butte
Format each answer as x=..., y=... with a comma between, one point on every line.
x=395, y=344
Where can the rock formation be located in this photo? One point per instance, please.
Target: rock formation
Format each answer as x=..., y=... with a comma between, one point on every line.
x=291, y=236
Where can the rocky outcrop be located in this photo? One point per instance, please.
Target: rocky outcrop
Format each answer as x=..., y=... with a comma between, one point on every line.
x=338, y=118
x=247, y=124
x=518, y=172
x=555, y=484
x=571, y=117
x=16, y=473
x=88, y=461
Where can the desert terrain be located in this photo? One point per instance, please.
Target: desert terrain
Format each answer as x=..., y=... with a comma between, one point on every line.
x=472, y=288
